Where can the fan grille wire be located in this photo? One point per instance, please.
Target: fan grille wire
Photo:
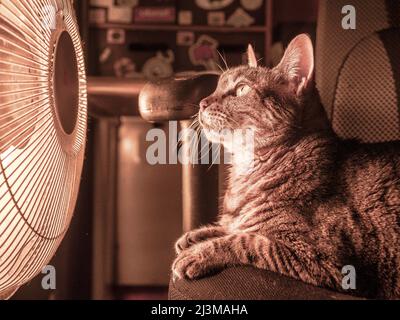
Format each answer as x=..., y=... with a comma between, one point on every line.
x=40, y=165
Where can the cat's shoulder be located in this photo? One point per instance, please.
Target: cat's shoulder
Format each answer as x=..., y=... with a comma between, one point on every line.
x=355, y=148
x=356, y=155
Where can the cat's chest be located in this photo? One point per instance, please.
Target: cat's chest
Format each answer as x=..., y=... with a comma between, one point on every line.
x=244, y=193
x=236, y=197
x=241, y=215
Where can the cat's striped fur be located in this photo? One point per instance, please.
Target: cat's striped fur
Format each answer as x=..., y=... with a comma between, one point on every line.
x=311, y=203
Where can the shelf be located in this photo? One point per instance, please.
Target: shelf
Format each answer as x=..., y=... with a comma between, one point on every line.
x=194, y=28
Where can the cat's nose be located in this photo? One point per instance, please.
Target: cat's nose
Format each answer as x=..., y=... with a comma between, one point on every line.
x=205, y=103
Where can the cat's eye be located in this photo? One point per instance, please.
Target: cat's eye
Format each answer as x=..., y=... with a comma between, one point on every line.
x=242, y=90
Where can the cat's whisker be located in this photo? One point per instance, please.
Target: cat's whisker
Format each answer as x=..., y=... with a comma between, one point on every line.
x=223, y=60
x=194, y=124
x=216, y=158
x=219, y=67
x=195, y=140
x=192, y=104
x=198, y=140
x=178, y=145
x=207, y=145
x=230, y=118
x=193, y=147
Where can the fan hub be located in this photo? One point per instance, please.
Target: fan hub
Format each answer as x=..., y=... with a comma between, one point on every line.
x=65, y=83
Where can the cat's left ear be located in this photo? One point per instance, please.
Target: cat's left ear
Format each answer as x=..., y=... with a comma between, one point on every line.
x=251, y=57
x=298, y=63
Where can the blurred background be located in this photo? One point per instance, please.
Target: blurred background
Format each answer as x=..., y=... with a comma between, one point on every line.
x=129, y=213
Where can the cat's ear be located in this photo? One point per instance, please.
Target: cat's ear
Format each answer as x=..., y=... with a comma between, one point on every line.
x=298, y=63
x=251, y=57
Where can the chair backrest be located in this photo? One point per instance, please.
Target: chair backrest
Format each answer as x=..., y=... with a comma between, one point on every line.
x=358, y=71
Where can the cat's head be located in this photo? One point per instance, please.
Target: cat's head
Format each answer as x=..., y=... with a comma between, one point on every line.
x=272, y=102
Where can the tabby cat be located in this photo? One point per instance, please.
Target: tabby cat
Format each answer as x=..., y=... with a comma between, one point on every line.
x=311, y=203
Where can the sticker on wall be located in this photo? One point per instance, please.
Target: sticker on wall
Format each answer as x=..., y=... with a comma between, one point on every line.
x=116, y=36
x=101, y=3
x=154, y=14
x=184, y=38
x=159, y=66
x=240, y=18
x=120, y=15
x=126, y=3
x=213, y=4
x=125, y=68
x=251, y=4
x=204, y=52
x=98, y=15
x=105, y=55
x=185, y=17
x=216, y=18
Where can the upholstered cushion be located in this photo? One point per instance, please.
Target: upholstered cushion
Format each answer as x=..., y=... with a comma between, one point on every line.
x=247, y=283
x=366, y=102
x=358, y=71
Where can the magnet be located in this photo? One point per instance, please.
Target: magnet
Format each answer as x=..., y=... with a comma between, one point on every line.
x=159, y=66
x=154, y=14
x=126, y=3
x=240, y=18
x=125, y=68
x=184, y=38
x=251, y=5
x=116, y=36
x=216, y=18
x=101, y=3
x=120, y=15
x=213, y=4
x=204, y=52
x=98, y=15
x=105, y=55
x=185, y=17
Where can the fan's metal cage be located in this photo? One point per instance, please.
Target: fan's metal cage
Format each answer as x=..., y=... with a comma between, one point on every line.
x=43, y=112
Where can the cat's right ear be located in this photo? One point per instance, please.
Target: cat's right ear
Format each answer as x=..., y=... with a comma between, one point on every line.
x=251, y=57
x=298, y=63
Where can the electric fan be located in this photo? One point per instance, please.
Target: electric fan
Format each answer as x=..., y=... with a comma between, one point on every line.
x=43, y=111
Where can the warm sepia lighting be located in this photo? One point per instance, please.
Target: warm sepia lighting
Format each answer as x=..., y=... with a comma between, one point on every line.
x=42, y=133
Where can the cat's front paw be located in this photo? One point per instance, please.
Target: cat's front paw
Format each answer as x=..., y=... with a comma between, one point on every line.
x=193, y=263
x=185, y=242
x=196, y=236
